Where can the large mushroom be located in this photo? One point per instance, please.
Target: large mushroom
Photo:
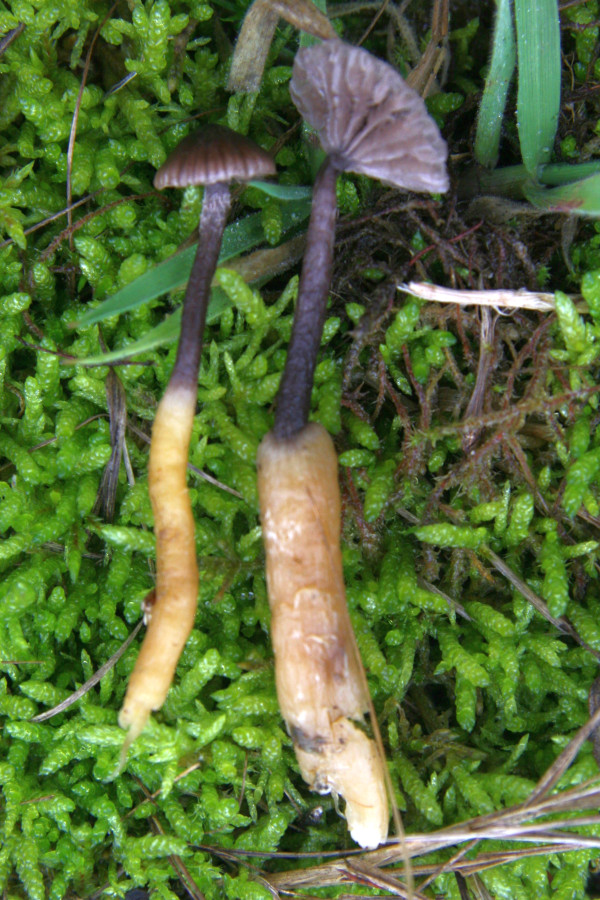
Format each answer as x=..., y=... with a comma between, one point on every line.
x=369, y=122
x=214, y=157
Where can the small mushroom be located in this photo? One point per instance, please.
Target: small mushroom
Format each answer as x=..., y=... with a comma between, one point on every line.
x=370, y=122
x=213, y=157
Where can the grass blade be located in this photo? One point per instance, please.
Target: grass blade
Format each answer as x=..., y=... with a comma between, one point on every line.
x=502, y=65
x=173, y=272
x=580, y=197
x=239, y=237
x=283, y=191
x=538, y=97
x=163, y=333
x=566, y=173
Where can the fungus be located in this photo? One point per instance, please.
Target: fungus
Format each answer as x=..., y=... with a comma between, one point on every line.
x=369, y=122
x=213, y=157
x=320, y=681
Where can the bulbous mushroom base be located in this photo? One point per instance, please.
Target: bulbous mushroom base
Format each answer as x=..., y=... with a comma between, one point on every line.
x=321, y=684
x=347, y=763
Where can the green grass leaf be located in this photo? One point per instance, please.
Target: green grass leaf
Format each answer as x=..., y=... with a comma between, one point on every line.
x=239, y=237
x=538, y=97
x=580, y=197
x=493, y=102
x=566, y=173
x=283, y=191
x=164, y=333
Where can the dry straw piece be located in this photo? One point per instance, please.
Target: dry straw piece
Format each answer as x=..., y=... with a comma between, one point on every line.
x=545, y=823
x=258, y=28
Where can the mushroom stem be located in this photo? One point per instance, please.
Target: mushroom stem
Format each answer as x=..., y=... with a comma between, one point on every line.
x=173, y=613
x=215, y=209
x=321, y=685
x=177, y=571
x=293, y=399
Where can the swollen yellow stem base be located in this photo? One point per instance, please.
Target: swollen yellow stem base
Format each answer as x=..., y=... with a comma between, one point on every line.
x=173, y=613
x=320, y=680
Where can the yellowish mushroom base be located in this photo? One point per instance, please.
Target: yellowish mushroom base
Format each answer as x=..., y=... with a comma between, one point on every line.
x=174, y=609
x=320, y=680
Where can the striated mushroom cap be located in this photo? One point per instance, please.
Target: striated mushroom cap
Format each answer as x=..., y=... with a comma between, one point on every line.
x=211, y=155
x=369, y=121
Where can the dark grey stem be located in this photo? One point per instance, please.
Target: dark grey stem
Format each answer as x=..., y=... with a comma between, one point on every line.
x=215, y=209
x=293, y=399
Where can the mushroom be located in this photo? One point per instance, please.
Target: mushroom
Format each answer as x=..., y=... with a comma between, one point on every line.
x=369, y=122
x=213, y=157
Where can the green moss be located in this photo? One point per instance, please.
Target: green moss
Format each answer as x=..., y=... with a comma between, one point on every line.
x=474, y=690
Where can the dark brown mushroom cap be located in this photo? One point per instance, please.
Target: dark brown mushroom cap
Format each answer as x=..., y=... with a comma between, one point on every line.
x=211, y=155
x=369, y=121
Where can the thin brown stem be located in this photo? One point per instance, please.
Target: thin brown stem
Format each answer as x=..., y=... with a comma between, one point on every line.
x=293, y=399
x=215, y=209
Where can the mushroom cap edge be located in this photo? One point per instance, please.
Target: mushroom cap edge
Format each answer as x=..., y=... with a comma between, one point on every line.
x=368, y=119
x=211, y=155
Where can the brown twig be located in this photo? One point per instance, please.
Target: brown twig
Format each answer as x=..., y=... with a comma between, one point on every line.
x=210, y=478
x=10, y=36
x=75, y=119
x=93, y=680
